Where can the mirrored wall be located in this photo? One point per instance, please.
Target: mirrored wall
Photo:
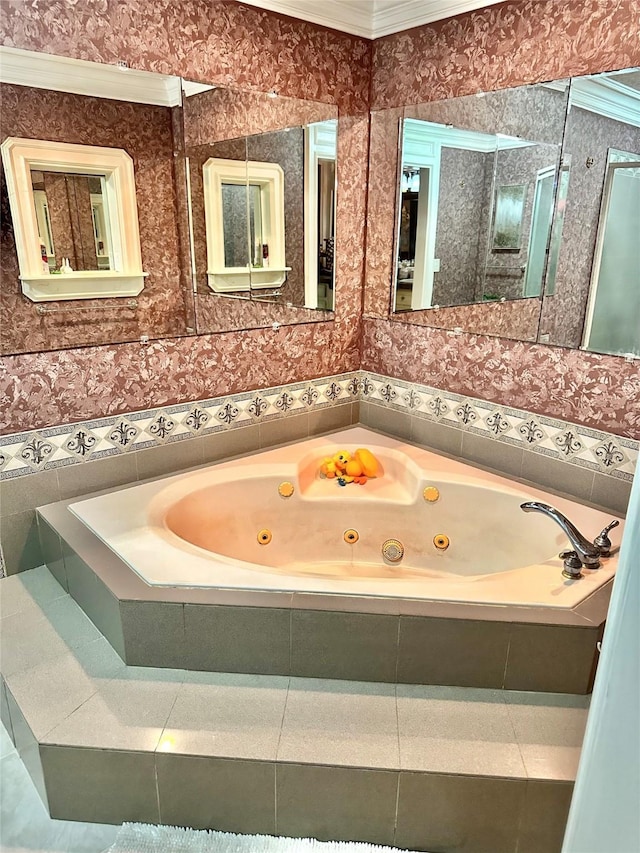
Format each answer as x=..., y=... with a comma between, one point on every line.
x=261, y=176
x=515, y=214
x=230, y=204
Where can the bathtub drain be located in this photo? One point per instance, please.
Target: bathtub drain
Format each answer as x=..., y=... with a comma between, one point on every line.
x=392, y=550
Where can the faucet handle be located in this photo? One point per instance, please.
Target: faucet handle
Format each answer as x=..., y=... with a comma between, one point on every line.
x=602, y=542
x=571, y=566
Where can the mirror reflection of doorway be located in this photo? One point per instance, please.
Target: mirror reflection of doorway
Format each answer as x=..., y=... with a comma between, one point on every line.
x=540, y=230
x=613, y=313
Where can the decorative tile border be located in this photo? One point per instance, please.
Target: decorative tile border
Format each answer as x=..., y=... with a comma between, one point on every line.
x=572, y=443
x=25, y=453
x=29, y=452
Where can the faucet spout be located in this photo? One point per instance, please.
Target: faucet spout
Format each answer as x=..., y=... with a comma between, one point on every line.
x=587, y=552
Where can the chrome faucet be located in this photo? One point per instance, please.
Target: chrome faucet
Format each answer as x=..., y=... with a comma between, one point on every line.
x=583, y=551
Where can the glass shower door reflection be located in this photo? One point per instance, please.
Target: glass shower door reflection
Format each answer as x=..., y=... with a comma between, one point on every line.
x=613, y=314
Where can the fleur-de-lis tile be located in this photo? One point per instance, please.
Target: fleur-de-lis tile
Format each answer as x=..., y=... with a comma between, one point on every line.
x=568, y=442
x=466, y=414
x=333, y=391
x=123, y=434
x=227, y=413
x=438, y=407
x=388, y=392
x=531, y=431
x=497, y=424
x=81, y=443
x=367, y=387
x=412, y=399
x=196, y=419
x=36, y=451
x=609, y=455
x=309, y=395
x=162, y=426
x=284, y=402
x=257, y=407
x=354, y=386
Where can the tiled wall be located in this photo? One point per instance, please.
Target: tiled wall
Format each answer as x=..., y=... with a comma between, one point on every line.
x=61, y=462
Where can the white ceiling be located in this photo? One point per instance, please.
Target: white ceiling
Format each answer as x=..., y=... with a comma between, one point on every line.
x=371, y=18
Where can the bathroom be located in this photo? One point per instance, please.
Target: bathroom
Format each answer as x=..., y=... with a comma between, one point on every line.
x=95, y=372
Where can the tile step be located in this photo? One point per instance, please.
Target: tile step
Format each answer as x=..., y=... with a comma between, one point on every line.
x=398, y=764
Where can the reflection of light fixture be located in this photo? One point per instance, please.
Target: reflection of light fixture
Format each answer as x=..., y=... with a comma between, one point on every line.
x=410, y=180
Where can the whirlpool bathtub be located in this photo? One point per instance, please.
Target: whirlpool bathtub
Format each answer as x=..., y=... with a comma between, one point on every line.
x=229, y=526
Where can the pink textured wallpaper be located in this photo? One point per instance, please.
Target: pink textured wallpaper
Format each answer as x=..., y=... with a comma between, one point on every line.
x=507, y=45
x=211, y=41
x=596, y=390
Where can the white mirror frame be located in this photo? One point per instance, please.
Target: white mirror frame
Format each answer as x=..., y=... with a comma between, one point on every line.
x=270, y=178
x=126, y=278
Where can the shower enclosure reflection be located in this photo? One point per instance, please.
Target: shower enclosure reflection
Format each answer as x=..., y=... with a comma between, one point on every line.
x=613, y=312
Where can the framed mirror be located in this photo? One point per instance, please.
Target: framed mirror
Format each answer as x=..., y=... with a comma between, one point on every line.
x=262, y=207
x=75, y=220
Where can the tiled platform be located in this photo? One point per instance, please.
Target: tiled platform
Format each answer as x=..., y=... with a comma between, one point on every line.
x=458, y=769
x=354, y=637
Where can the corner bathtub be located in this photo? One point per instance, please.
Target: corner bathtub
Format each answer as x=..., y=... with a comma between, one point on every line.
x=200, y=529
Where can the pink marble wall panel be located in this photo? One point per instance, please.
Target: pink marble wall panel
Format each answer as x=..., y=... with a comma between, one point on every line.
x=596, y=390
x=509, y=44
x=211, y=41
x=517, y=319
x=145, y=132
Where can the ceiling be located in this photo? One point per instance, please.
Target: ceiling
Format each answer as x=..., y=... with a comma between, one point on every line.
x=371, y=18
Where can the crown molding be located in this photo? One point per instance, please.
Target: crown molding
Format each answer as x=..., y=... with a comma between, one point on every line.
x=80, y=77
x=393, y=16
x=371, y=19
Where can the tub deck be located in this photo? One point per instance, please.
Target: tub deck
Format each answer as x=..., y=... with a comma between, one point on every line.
x=498, y=554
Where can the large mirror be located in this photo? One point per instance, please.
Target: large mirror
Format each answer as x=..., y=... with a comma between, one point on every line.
x=475, y=186
x=168, y=129
x=103, y=146
x=262, y=207
x=515, y=213
x=593, y=298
